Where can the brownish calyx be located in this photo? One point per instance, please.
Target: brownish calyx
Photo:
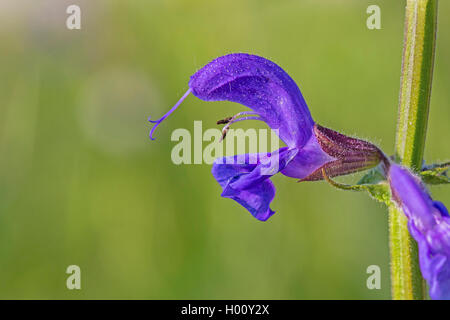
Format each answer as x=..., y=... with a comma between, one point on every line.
x=352, y=155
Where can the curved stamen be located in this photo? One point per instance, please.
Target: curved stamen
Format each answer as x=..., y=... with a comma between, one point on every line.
x=234, y=120
x=223, y=121
x=157, y=122
x=228, y=119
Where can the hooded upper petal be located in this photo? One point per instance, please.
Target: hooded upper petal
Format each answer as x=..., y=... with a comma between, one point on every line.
x=246, y=179
x=429, y=225
x=260, y=85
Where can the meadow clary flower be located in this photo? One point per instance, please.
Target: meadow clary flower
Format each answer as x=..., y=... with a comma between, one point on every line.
x=429, y=225
x=274, y=98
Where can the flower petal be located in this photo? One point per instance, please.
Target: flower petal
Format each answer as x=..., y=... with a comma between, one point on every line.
x=435, y=266
x=260, y=85
x=429, y=225
x=308, y=160
x=409, y=192
x=246, y=179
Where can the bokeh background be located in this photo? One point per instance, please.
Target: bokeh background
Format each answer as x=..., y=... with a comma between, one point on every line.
x=81, y=183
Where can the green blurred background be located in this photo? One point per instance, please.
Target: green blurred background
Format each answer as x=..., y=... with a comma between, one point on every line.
x=81, y=183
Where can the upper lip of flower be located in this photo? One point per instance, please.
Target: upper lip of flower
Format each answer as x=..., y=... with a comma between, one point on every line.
x=260, y=85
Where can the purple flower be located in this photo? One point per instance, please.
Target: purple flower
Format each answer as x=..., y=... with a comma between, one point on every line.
x=429, y=225
x=274, y=98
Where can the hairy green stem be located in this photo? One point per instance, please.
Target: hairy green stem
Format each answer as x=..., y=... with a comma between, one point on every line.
x=415, y=90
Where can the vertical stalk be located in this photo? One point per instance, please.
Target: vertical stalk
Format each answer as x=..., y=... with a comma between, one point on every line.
x=415, y=90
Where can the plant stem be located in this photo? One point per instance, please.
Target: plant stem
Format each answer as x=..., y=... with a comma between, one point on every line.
x=415, y=90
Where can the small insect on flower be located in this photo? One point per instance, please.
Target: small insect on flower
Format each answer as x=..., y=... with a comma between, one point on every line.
x=275, y=99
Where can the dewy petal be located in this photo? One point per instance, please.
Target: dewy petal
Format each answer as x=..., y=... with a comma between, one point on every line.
x=429, y=225
x=260, y=85
x=246, y=179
